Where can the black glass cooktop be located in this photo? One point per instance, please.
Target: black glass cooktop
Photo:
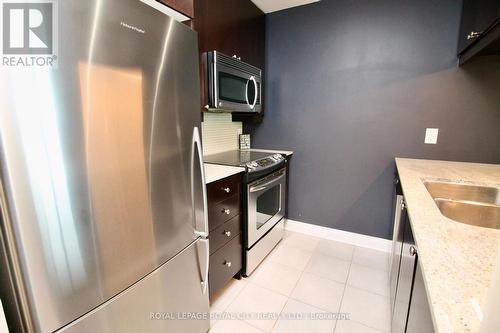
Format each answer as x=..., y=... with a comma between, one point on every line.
x=235, y=157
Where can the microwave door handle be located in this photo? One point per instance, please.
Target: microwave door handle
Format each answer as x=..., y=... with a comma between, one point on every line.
x=256, y=92
x=252, y=106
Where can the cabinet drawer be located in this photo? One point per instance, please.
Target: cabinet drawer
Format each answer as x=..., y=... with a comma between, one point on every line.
x=223, y=189
x=224, y=264
x=224, y=233
x=223, y=211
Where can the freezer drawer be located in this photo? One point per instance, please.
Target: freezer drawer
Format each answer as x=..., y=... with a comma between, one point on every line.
x=161, y=302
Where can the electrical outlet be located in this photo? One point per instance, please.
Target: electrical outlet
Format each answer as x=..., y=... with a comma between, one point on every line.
x=431, y=136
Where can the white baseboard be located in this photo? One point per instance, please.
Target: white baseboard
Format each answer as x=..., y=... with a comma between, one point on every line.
x=339, y=235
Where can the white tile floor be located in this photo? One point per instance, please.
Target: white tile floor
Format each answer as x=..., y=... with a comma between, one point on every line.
x=306, y=275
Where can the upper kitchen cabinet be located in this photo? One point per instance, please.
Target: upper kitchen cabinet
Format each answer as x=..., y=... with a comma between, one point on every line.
x=480, y=29
x=232, y=27
x=185, y=7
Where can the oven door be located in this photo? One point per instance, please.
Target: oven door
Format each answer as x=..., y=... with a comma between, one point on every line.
x=236, y=90
x=266, y=204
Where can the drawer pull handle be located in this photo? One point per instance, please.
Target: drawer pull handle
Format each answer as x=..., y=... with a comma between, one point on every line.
x=227, y=233
x=227, y=190
x=227, y=263
x=226, y=211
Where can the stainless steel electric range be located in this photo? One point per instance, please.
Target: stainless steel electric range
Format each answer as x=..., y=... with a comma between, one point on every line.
x=264, y=194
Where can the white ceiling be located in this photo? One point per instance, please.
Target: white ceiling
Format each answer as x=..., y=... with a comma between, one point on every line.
x=268, y=6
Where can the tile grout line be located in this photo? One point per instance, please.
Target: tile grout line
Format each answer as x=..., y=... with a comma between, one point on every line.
x=235, y=296
x=229, y=304
x=345, y=288
x=367, y=291
x=295, y=286
x=371, y=328
x=234, y=299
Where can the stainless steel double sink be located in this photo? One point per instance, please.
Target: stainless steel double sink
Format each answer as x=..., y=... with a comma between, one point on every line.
x=470, y=204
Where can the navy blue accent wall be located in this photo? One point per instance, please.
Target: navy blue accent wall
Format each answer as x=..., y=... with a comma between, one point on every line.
x=352, y=84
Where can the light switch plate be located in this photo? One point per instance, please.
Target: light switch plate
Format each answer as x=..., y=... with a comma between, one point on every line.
x=431, y=136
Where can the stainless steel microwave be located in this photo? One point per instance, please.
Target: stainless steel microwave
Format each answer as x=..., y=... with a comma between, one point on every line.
x=233, y=86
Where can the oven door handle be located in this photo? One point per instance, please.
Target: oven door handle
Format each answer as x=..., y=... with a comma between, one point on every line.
x=267, y=185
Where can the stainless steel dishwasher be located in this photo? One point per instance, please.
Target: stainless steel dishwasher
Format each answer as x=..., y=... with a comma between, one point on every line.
x=399, y=216
x=419, y=316
x=410, y=309
x=402, y=297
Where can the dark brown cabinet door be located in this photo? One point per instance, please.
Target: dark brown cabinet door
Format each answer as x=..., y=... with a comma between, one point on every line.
x=186, y=7
x=233, y=27
x=477, y=17
x=223, y=211
x=224, y=233
x=224, y=264
x=224, y=189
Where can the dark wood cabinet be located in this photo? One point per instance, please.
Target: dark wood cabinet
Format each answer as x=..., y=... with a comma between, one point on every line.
x=477, y=17
x=221, y=212
x=224, y=264
x=224, y=233
x=224, y=189
x=225, y=220
x=233, y=27
x=479, y=28
x=186, y=7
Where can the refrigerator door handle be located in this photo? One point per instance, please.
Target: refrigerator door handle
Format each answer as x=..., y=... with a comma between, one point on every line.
x=198, y=150
x=204, y=262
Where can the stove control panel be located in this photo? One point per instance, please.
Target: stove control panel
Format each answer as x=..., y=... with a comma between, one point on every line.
x=264, y=163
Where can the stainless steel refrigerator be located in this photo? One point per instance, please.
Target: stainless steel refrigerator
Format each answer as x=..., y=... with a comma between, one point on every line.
x=103, y=200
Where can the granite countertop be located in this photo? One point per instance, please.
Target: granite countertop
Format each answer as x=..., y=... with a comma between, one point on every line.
x=457, y=260
x=214, y=172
